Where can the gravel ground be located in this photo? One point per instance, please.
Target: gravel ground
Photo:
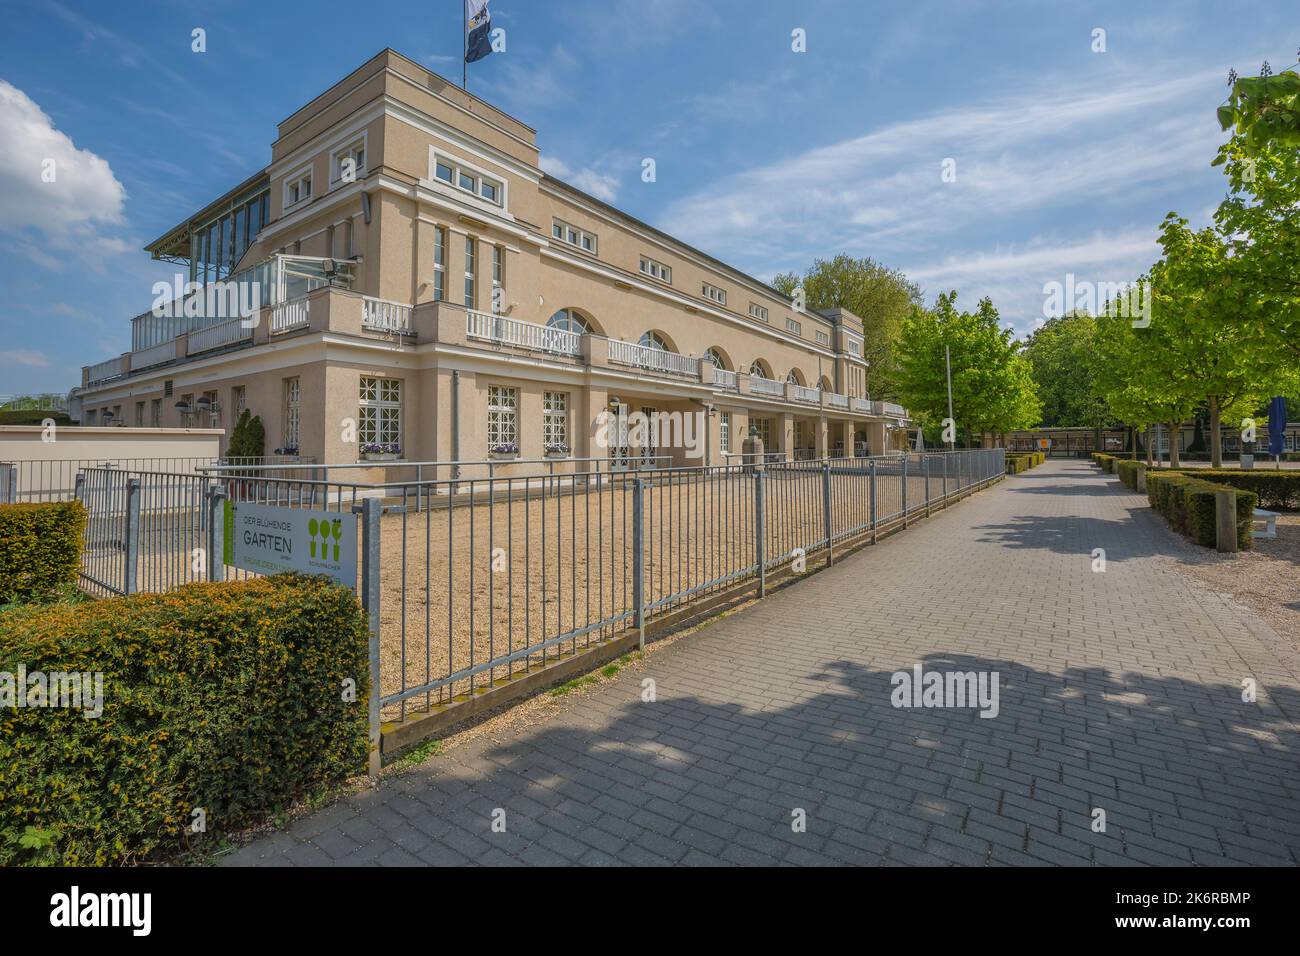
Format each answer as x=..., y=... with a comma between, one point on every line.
x=1264, y=579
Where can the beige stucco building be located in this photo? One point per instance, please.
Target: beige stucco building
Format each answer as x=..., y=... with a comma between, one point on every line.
x=413, y=278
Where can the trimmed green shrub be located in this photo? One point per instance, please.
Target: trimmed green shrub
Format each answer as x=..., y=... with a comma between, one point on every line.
x=1188, y=504
x=1023, y=461
x=1127, y=470
x=225, y=698
x=40, y=548
x=1276, y=490
x=1105, y=462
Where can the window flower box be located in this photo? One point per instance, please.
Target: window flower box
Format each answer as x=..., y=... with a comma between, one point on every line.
x=510, y=450
x=372, y=451
x=557, y=451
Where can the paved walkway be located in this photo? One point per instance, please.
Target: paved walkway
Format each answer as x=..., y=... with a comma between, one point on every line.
x=1120, y=691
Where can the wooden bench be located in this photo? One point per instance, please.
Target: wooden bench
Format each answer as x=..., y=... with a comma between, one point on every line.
x=1270, y=524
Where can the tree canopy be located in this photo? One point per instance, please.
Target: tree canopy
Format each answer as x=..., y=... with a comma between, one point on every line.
x=1062, y=354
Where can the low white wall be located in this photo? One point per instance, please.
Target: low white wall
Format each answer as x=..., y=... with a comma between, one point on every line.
x=47, y=470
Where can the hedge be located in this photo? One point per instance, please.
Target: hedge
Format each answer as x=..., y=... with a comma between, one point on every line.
x=40, y=548
x=1105, y=462
x=1188, y=504
x=1276, y=490
x=226, y=698
x=1128, y=471
x=1017, y=463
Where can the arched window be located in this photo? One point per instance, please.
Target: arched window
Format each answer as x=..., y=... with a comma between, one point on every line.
x=793, y=378
x=714, y=358
x=566, y=320
x=756, y=370
x=653, y=340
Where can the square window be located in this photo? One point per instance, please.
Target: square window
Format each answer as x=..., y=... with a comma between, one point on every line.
x=443, y=172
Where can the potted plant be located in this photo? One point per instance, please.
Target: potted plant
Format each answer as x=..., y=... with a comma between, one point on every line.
x=380, y=451
x=288, y=451
x=557, y=450
x=508, y=450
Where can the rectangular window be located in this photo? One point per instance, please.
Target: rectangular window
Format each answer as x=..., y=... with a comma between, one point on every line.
x=454, y=173
x=724, y=430
x=758, y=311
x=439, y=264
x=717, y=295
x=498, y=267
x=656, y=270
x=763, y=428
x=297, y=190
x=470, y=242
x=238, y=401
x=381, y=414
x=503, y=431
x=349, y=163
x=855, y=347
x=292, y=400
x=823, y=338
x=586, y=241
x=794, y=326
x=555, y=421
x=155, y=413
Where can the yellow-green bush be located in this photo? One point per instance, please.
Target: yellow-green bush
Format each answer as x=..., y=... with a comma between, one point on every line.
x=1023, y=461
x=40, y=548
x=1188, y=504
x=231, y=699
x=1127, y=469
x=1276, y=490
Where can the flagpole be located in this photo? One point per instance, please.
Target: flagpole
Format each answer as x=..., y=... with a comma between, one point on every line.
x=464, y=46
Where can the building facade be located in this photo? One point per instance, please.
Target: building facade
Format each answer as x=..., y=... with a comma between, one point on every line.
x=414, y=285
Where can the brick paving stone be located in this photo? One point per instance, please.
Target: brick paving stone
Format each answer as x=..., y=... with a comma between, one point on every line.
x=1118, y=690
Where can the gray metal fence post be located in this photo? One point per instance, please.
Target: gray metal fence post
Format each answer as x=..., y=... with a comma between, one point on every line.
x=8, y=483
x=871, y=495
x=79, y=488
x=826, y=510
x=925, y=464
x=216, y=533
x=760, y=546
x=132, y=536
x=371, y=512
x=638, y=559
x=904, y=489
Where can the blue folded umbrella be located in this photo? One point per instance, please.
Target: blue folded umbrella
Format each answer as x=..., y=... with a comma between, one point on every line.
x=1276, y=425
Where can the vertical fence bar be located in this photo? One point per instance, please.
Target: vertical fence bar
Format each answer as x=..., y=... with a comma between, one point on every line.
x=371, y=511
x=131, y=537
x=760, y=549
x=638, y=560
x=826, y=511
x=925, y=464
x=871, y=495
x=8, y=483
x=904, y=489
x=216, y=533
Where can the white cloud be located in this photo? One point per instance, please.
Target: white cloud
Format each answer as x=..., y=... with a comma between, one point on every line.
x=604, y=186
x=83, y=197
x=24, y=357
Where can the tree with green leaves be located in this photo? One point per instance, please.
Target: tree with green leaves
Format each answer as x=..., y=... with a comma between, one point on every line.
x=992, y=381
x=881, y=297
x=1264, y=110
x=1062, y=353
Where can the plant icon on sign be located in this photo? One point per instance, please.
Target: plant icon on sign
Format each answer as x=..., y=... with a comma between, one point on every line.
x=312, y=528
x=337, y=531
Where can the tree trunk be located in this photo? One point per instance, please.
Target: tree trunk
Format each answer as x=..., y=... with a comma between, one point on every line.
x=1150, y=430
x=1175, y=433
x=1216, y=435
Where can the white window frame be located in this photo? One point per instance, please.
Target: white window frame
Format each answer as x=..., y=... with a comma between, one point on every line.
x=656, y=270
x=503, y=417
x=296, y=179
x=794, y=325
x=724, y=430
x=823, y=338
x=714, y=294
x=759, y=312
x=439, y=264
x=471, y=273
x=555, y=420
x=349, y=150
x=463, y=168
x=292, y=412
x=571, y=235
x=380, y=404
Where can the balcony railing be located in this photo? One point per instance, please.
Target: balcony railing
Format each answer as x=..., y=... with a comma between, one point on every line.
x=864, y=405
x=724, y=379
x=148, y=358
x=526, y=335
x=803, y=393
x=656, y=360
x=889, y=408
x=835, y=400
x=219, y=336
x=105, y=371
x=290, y=316
x=766, y=386
x=381, y=315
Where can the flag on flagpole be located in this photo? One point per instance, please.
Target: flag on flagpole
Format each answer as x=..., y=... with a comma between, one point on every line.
x=478, y=27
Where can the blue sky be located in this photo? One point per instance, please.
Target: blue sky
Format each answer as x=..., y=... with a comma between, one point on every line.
x=1066, y=159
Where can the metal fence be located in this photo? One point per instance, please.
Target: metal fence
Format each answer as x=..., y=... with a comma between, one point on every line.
x=472, y=582
x=35, y=480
